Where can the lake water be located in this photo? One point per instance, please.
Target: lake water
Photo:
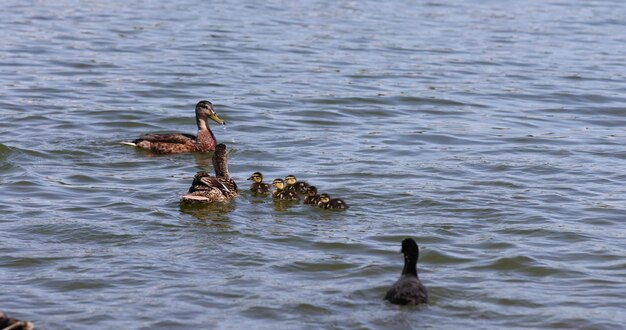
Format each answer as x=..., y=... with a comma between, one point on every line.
x=492, y=132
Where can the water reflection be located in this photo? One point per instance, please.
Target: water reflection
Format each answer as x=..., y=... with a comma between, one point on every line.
x=281, y=206
x=217, y=213
x=204, y=160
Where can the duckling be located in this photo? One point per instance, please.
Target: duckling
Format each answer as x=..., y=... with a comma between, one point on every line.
x=290, y=180
x=13, y=324
x=408, y=290
x=322, y=201
x=180, y=142
x=281, y=193
x=258, y=187
x=301, y=187
x=311, y=195
x=337, y=204
x=218, y=188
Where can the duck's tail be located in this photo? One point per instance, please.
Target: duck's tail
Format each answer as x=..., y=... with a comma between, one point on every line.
x=128, y=144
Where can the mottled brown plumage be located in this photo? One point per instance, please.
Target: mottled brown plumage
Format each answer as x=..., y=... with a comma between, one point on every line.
x=210, y=189
x=408, y=290
x=7, y=323
x=180, y=142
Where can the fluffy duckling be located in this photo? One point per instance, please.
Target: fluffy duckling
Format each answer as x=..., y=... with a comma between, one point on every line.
x=291, y=180
x=281, y=193
x=337, y=204
x=322, y=201
x=301, y=187
x=408, y=290
x=218, y=188
x=13, y=324
x=311, y=195
x=180, y=142
x=258, y=187
x=325, y=202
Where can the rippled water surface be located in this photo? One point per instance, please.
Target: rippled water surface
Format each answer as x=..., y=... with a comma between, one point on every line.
x=492, y=132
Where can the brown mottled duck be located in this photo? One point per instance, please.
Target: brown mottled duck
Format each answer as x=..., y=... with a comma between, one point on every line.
x=7, y=323
x=210, y=189
x=408, y=290
x=281, y=193
x=180, y=142
x=258, y=187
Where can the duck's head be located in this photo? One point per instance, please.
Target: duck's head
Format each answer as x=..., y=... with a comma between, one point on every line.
x=204, y=110
x=410, y=248
x=279, y=184
x=324, y=198
x=290, y=179
x=256, y=177
x=311, y=191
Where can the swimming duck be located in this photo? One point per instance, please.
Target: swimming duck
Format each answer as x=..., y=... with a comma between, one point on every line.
x=311, y=195
x=218, y=188
x=281, y=193
x=322, y=201
x=258, y=187
x=290, y=180
x=325, y=202
x=408, y=290
x=301, y=187
x=7, y=323
x=180, y=142
x=337, y=204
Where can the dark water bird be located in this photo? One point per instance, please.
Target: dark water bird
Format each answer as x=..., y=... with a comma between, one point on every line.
x=258, y=187
x=218, y=188
x=180, y=142
x=408, y=290
x=311, y=195
x=281, y=193
x=7, y=323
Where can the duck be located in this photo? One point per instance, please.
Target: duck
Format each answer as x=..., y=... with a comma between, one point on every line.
x=325, y=202
x=7, y=323
x=337, y=204
x=408, y=290
x=209, y=189
x=322, y=201
x=281, y=193
x=258, y=187
x=181, y=142
x=311, y=195
x=301, y=187
x=291, y=180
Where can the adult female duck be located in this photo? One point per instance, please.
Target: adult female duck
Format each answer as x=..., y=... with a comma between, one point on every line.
x=210, y=189
x=180, y=142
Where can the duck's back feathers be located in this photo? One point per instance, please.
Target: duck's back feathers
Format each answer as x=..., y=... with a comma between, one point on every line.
x=408, y=290
x=337, y=204
x=285, y=195
x=206, y=189
x=260, y=188
x=219, y=188
x=166, y=143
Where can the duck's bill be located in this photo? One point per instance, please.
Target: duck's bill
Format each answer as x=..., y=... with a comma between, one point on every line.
x=217, y=119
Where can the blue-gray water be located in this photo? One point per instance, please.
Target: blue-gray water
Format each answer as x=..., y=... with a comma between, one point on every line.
x=492, y=132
